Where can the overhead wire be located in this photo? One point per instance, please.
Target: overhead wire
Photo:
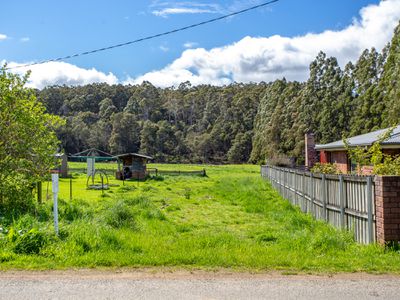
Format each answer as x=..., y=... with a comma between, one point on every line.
x=145, y=38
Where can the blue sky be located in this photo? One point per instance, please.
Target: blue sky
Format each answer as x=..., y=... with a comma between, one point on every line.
x=251, y=43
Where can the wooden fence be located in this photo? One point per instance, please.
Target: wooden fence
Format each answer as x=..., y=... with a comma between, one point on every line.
x=344, y=201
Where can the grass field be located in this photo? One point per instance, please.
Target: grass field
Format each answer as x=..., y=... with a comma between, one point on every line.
x=229, y=219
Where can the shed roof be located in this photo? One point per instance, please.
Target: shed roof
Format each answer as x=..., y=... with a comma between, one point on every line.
x=133, y=154
x=366, y=139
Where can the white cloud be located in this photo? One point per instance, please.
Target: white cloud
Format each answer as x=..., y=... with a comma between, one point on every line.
x=24, y=39
x=180, y=10
x=268, y=58
x=3, y=36
x=60, y=73
x=164, y=48
x=164, y=9
x=189, y=45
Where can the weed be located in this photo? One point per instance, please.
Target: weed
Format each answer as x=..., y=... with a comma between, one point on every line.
x=187, y=192
x=157, y=178
x=266, y=238
x=120, y=215
x=126, y=188
x=30, y=242
x=173, y=208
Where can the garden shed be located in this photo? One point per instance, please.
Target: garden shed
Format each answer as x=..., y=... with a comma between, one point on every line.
x=132, y=165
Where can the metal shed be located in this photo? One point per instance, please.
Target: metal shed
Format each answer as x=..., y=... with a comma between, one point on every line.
x=132, y=165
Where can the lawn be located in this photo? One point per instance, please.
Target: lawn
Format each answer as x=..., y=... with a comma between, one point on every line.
x=229, y=219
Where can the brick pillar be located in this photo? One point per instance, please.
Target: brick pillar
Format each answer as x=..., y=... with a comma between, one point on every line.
x=311, y=155
x=387, y=207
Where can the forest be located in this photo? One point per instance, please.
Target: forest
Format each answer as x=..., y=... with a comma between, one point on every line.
x=236, y=123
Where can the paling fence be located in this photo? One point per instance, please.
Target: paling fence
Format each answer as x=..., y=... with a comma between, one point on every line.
x=345, y=201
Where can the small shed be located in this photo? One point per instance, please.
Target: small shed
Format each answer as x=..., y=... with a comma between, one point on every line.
x=132, y=165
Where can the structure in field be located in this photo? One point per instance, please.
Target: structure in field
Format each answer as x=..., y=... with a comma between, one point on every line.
x=91, y=156
x=132, y=165
x=336, y=152
x=62, y=164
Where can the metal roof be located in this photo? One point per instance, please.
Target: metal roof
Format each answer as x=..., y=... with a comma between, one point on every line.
x=133, y=154
x=366, y=139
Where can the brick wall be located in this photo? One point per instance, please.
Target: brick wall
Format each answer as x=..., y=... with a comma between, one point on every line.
x=387, y=208
x=311, y=154
x=340, y=159
x=324, y=157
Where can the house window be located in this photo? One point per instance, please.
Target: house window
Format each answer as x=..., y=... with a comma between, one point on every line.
x=352, y=165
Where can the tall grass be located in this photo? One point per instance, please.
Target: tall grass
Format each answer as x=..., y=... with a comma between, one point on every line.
x=231, y=219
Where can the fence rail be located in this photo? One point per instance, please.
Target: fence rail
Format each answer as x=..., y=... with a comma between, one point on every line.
x=84, y=171
x=344, y=201
x=150, y=171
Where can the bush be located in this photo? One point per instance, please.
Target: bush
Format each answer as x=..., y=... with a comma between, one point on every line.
x=325, y=168
x=30, y=242
x=279, y=160
x=120, y=215
x=75, y=209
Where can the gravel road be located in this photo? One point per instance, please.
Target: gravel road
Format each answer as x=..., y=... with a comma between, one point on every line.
x=148, y=284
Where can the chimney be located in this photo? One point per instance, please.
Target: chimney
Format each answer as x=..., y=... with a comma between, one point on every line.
x=310, y=152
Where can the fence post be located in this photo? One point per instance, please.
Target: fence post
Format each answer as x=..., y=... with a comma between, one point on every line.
x=341, y=201
x=311, y=194
x=303, y=192
x=70, y=188
x=324, y=193
x=39, y=191
x=370, y=212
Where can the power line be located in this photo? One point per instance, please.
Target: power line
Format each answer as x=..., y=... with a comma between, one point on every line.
x=147, y=37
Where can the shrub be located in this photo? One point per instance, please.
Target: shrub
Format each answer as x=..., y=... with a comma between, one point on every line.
x=75, y=209
x=30, y=242
x=279, y=160
x=120, y=215
x=325, y=168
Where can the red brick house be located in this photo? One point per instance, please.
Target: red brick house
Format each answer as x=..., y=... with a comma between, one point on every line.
x=335, y=152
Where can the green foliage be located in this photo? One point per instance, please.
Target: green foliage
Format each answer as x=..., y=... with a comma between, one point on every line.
x=29, y=242
x=383, y=164
x=120, y=215
x=325, y=168
x=27, y=141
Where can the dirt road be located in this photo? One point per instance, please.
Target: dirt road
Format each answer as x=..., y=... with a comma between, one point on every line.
x=150, y=284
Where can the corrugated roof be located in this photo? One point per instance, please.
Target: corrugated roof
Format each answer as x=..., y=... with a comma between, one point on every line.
x=366, y=139
x=134, y=154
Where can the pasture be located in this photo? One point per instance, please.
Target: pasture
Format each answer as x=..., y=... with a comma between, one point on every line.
x=229, y=219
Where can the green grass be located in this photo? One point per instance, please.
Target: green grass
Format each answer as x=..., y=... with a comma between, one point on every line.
x=229, y=219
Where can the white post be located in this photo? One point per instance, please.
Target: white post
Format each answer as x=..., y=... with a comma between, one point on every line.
x=54, y=181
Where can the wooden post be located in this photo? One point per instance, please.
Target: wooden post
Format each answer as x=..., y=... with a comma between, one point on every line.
x=324, y=192
x=39, y=191
x=313, y=211
x=341, y=201
x=370, y=212
x=303, y=192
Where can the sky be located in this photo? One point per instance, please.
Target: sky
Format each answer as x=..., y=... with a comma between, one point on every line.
x=276, y=41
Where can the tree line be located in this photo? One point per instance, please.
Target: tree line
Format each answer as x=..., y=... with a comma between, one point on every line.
x=234, y=123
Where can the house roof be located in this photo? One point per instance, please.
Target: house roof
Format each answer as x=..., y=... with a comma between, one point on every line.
x=133, y=154
x=366, y=139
